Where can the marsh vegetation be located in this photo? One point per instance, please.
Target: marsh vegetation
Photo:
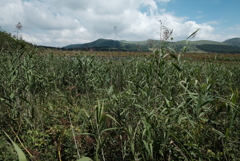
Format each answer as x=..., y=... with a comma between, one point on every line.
x=157, y=107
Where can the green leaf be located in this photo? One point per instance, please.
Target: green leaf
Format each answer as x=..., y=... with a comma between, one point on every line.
x=21, y=155
x=173, y=56
x=177, y=67
x=221, y=135
x=112, y=118
x=84, y=159
x=194, y=33
x=146, y=146
x=110, y=90
x=113, y=128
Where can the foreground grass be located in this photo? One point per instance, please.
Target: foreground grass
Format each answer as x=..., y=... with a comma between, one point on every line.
x=158, y=107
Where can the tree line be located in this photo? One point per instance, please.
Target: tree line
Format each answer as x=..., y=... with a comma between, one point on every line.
x=219, y=48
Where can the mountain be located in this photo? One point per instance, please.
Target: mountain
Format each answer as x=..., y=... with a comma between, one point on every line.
x=200, y=46
x=72, y=46
x=100, y=44
x=233, y=41
x=196, y=46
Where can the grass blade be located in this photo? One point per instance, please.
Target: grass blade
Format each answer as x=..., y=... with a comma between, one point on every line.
x=21, y=155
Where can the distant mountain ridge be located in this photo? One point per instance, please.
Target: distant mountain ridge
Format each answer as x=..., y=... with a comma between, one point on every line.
x=99, y=43
x=227, y=46
x=233, y=41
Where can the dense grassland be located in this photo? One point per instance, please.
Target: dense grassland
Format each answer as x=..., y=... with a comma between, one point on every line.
x=160, y=106
x=193, y=56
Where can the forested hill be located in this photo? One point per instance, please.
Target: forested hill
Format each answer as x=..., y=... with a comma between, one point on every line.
x=219, y=48
x=233, y=42
x=228, y=46
x=100, y=44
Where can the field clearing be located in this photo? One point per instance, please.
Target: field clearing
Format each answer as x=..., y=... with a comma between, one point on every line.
x=150, y=106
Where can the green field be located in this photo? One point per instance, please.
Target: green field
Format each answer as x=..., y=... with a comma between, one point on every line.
x=158, y=106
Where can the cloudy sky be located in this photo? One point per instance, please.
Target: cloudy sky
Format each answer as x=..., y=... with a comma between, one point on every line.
x=62, y=22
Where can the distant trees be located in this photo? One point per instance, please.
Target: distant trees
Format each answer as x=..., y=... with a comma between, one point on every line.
x=233, y=41
x=219, y=48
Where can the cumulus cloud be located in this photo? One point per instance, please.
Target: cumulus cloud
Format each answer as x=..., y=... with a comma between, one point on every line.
x=61, y=22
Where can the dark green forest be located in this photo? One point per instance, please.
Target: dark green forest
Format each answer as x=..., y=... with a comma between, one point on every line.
x=219, y=48
x=107, y=45
x=233, y=41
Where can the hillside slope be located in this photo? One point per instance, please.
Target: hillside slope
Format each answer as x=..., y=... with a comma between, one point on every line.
x=5, y=38
x=99, y=44
x=199, y=46
x=233, y=41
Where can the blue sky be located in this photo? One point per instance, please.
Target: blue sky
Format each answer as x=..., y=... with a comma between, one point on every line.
x=207, y=10
x=221, y=14
x=63, y=22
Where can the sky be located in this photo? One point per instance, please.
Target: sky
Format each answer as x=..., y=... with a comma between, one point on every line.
x=62, y=22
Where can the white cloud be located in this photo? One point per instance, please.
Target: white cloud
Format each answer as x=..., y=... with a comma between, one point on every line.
x=61, y=22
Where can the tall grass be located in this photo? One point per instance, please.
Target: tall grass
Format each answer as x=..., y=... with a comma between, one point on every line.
x=161, y=107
